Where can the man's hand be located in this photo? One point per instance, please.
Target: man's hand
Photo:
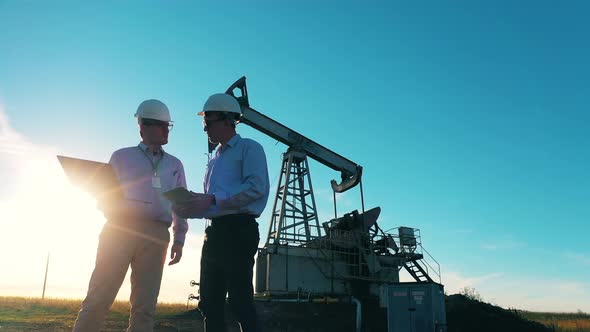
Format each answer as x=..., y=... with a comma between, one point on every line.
x=175, y=254
x=194, y=207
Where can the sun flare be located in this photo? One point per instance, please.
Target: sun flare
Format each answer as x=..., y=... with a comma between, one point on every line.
x=58, y=211
x=45, y=214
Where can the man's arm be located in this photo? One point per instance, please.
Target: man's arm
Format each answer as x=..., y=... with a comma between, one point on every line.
x=255, y=183
x=179, y=224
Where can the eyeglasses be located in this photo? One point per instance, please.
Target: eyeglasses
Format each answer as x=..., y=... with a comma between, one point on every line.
x=161, y=124
x=208, y=122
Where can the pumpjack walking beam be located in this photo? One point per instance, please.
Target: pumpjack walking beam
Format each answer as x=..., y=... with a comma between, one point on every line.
x=350, y=172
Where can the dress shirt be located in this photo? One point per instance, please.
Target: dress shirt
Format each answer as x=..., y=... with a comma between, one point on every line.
x=238, y=177
x=135, y=173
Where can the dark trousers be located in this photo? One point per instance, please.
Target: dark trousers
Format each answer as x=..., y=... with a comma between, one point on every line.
x=227, y=263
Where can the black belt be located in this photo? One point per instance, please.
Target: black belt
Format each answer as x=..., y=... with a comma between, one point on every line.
x=233, y=218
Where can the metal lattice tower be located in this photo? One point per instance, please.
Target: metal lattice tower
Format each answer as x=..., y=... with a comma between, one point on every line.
x=294, y=219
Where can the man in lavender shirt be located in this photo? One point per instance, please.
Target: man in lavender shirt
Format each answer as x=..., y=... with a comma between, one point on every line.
x=136, y=233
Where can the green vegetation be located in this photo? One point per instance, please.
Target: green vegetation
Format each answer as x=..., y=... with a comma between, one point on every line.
x=563, y=322
x=471, y=293
x=57, y=315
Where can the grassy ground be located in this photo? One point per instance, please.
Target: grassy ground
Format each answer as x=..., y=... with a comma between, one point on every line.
x=578, y=322
x=58, y=315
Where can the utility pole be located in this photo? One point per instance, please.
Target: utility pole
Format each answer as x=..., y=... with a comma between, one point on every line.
x=45, y=281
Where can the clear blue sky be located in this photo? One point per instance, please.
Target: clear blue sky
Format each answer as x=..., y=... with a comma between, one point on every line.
x=470, y=119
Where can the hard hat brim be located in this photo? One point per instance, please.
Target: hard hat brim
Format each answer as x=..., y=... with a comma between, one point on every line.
x=202, y=113
x=143, y=117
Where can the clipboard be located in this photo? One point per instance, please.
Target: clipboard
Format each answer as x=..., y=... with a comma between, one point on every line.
x=178, y=195
x=99, y=179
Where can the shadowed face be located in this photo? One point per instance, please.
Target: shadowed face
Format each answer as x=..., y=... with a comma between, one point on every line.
x=214, y=125
x=155, y=131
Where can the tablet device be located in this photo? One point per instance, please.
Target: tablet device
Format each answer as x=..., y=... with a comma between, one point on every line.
x=178, y=195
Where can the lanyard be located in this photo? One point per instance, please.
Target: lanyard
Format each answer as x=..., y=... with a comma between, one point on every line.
x=154, y=166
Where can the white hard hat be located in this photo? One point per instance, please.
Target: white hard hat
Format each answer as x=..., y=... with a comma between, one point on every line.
x=153, y=109
x=221, y=102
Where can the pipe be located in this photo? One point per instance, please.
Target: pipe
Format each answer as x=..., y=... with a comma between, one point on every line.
x=282, y=300
x=358, y=312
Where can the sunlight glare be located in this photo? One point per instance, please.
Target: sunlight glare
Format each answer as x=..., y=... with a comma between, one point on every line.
x=45, y=214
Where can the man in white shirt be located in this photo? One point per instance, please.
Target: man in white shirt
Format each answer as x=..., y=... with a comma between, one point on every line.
x=136, y=233
x=236, y=189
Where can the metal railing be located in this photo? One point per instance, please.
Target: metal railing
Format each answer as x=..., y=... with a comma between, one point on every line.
x=358, y=255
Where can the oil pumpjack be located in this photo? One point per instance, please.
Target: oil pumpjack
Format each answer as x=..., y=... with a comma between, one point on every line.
x=348, y=259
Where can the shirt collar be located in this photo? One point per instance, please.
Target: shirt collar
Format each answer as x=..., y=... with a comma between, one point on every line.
x=145, y=148
x=232, y=142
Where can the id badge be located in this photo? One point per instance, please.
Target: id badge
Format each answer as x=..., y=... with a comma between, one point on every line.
x=156, y=182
